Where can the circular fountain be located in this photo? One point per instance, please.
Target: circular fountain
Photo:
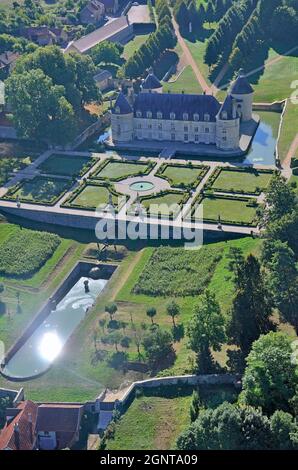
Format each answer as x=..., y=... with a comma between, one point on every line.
x=140, y=186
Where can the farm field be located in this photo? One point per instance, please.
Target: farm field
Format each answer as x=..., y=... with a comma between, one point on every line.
x=241, y=181
x=65, y=165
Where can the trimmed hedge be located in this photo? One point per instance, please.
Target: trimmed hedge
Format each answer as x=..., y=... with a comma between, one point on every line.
x=25, y=252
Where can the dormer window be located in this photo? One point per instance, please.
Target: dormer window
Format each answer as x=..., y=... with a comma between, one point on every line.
x=196, y=117
x=159, y=115
x=117, y=109
x=185, y=117
x=139, y=114
x=224, y=115
x=172, y=116
x=206, y=117
x=149, y=114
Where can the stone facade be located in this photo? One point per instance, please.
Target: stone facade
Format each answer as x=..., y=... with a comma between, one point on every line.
x=197, y=119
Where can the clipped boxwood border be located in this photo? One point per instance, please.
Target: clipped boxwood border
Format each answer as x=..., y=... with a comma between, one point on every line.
x=210, y=184
x=164, y=166
x=150, y=164
x=203, y=196
x=10, y=195
x=90, y=162
x=184, y=199
x=69, y=201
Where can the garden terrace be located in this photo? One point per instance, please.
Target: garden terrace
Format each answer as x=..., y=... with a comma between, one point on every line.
x=231, y=210
x=164, y=199
x=39, y=190
x=238, y=180
x=67, y=165
x=116, y=170
x=181, y=176
x=178, y=272
x=91, y=195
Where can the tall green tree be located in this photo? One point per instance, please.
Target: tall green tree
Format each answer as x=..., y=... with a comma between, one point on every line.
x=206, y=330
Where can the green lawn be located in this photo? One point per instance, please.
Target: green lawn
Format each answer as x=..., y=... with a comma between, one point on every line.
x=197, y=50
x=92, y=196
x=151, y=423
x=229, y=210
x=289, y=129
x=40, y=190
x=133, y=45
x=66, y=165
x=178, y=175
x=115, y=170
x=242, y=181
x=164, y=201
x=186, y=82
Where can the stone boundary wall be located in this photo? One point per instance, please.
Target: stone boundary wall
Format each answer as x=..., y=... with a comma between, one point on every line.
x=98, y=126
x=277, y=106
x=210, y=379
x=80, y=269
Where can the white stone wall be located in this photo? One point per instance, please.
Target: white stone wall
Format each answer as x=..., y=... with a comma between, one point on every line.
x=177, y=131
x=227, y=134
x=122, y=127
x=244, y=105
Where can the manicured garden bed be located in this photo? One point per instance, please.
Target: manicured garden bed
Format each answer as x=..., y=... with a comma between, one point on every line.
x=91, y=195
x=116, y=170
x=67, y=165
x=181, y=176
x=164, y=199
x=230, y=210
x=238, y=180
x=39, y=190
x=25, y=252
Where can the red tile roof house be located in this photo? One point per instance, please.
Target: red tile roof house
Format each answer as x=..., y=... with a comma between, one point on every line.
x=58, y=426
x=18, y=432
x=44, y=36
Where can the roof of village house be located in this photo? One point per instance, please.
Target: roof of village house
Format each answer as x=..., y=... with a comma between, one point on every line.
x=58, y=418
x=102, y=75
x=241, y=85
x=180, y=104
x=25, y=441
x=93, y=7
x=151, y=82
x=105, y=32
x=122, y=104
x=8, y=57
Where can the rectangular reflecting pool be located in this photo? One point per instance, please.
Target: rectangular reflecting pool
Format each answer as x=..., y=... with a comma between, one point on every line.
x=36, y=353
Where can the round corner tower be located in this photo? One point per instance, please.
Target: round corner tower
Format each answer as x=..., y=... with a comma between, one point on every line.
x=122, y=120
x=242, y=92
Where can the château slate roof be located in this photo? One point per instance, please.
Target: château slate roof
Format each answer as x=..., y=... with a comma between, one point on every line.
x=151, y=82
x=168, y=103
x=241, y=86
x=122, y=104
x=227, y=107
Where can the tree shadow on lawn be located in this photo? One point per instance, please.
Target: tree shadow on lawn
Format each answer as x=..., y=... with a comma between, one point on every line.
x=201, y=34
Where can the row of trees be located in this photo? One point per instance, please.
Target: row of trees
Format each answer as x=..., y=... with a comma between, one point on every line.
x=47, y=90
x=158, y=42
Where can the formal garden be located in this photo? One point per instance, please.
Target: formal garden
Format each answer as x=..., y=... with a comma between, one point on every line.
x=238, y=180
x=182, y=175
x=225, y=209
x=116, y=170
x=165, y=203
x=39, y=190
x=91, y=194
x=67, y=165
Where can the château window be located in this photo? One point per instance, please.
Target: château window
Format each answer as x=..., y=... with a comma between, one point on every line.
x=172, y=127
x=149, y=114
x=207, y=117
x=117, y=109
x=172, y=116
x=159, y=115
x=196, y=129
x=139, y=114
x=139, y=126
x=172, y=136
x=224, y=115
x=207, y=130
x=185, y=137
x=185, y=128
x=149, y=126
x=185, y=117
x=196, y=117
x=160, y=127
x=196, y=138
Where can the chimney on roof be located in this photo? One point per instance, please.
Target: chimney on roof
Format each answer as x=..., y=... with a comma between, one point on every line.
x=16, y=431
